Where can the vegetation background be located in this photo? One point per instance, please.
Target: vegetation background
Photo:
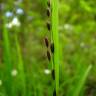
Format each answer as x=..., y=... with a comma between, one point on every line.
x=24, y=67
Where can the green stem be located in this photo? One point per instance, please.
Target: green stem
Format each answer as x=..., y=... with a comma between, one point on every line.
x=55, y=36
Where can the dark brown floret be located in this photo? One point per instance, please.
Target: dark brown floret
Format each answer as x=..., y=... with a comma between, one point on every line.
x=48, y=55
x=48, y=26
x=48, y=3
x=46, y=42
x=52, y=47
x=53, y=74
x=48, y=12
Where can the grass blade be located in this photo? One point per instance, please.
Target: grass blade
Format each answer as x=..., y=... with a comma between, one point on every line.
x=79, y=85
x=7, y=60
x=55, y=41
x=20, y=67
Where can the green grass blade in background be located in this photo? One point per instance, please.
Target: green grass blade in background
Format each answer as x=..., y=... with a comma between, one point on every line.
x=7, y=60
x=77, y=88
x=81, y=82
x=20, y=68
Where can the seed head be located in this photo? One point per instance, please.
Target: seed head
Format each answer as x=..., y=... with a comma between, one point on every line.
x=48, y=55
x=46, y=42
x=53, y=74
x=48, y=3
x=48, y=12
x=52, y=47
x=48, y=26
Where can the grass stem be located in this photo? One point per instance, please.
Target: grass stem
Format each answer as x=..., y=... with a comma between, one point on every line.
x=55, y=38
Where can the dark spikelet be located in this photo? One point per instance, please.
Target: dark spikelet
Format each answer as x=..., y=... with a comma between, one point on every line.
x=48, y=12
x=52, y=47
x=54, y=93
x=48, y=3
x=53, y=74
x=46, y=42
x=48, y=55
x=48, y=26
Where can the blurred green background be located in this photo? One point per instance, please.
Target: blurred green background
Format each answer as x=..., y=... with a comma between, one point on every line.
x=23, y=52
